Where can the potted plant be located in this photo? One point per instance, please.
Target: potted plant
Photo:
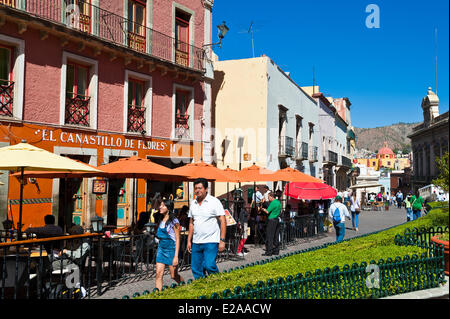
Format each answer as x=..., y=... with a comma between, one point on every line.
x=443, y=239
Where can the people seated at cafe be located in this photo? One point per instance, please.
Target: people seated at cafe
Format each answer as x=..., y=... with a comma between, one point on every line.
x=74, y=250
x=48, y=231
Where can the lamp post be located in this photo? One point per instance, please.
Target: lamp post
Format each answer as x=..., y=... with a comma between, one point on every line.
x=222, y=31
x=240, y=144
x=97, y=224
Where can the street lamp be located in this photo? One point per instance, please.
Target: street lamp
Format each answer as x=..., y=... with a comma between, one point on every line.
x=222, y=31
x=97, y=224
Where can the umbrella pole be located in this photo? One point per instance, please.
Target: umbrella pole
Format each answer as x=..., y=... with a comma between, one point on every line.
x=228, y=195
x=19, y=224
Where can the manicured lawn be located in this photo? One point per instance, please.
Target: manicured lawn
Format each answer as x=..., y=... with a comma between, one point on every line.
x=373, y=247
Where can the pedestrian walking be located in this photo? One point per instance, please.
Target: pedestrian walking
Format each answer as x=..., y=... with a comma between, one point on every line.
x=321, y=211
x=399, y=197
x=207, y=230
x=355, y=208
x=168, y=234
x=417, y=205
x=337, y=214
x=273, y=226
x=243, y=224
x=408, y=206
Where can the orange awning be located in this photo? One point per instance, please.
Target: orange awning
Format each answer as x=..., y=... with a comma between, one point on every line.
x=290, y=174
x=203, y=170
x=136, y=167
x=256, y=173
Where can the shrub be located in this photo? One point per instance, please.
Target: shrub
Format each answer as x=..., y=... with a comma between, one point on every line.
x=365, y=248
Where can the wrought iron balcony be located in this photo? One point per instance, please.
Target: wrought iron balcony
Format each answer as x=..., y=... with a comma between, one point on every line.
x=286, y=146
x=113, y=28
x=330, y=157
x=136, y=118
x=312, y=154
x=301, y=151
x=77, y=109
x=6, y=98
x=182, y=126
x=345, y=161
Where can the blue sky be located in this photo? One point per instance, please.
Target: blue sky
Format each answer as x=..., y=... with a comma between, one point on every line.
x=385, y=71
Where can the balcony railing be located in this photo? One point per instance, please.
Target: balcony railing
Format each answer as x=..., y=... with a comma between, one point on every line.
x=136, y=118
x=345, y=161
x=182, y=126
x=312, y=154
x=330, y=157
x=77, y=109
x=286, y=146
x=301, y=151
x=6, y=98
x=115, y=29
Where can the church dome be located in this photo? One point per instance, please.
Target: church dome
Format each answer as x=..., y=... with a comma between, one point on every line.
x=385, y=151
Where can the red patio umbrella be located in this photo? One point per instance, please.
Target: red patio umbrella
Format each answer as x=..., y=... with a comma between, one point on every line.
x=309, y=190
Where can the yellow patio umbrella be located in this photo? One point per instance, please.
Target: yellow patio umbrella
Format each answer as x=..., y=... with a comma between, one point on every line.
x=23, y=156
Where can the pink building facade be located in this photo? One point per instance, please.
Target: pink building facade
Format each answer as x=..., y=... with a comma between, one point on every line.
x=73, y=73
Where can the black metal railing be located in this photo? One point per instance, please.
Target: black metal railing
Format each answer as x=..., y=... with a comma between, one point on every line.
x=51, y=268
x=42, y=269
x=286, y=146
x=113, y=28
x=77, y=109
x=301, y=150
x=312, y=154
x=136, y=118
x=6, y=98
x=346, y=161
x=182, y=126
x=330, y=157
x=291, y=229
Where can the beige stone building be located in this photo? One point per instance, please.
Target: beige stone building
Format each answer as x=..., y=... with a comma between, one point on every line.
x=429, y=140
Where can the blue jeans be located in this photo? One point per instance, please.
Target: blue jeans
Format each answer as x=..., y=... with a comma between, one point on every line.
x=355, y=219
x=203, y=259
x=409, y=214
x=417, y=213
x=340, y=231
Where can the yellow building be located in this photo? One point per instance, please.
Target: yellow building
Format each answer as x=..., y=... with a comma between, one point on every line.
x=387, y=159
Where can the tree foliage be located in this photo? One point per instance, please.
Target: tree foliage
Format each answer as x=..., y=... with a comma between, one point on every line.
x=442, y=179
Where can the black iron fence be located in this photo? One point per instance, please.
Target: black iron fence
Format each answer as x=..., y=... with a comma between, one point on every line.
x=83, y=265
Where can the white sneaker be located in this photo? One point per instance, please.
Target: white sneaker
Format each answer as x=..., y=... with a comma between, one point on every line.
x=240, y=254
x=245, y=253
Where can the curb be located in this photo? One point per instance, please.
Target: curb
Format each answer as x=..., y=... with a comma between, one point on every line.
x=433, y=293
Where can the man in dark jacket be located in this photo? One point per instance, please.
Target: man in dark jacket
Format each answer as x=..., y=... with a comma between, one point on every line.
x=47, y=231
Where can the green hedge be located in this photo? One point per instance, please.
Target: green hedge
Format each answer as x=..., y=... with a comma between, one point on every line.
x=378, y=246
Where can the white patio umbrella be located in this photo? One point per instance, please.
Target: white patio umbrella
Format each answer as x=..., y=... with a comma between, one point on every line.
x=23, y=156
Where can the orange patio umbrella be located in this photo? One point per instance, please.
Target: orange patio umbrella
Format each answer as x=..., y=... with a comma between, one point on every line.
x=290, y=174
x=203, y=170
x=232, y=175
x=136, y=167
x=256, y=173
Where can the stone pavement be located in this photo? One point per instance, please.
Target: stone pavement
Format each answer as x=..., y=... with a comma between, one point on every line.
x=369, y=221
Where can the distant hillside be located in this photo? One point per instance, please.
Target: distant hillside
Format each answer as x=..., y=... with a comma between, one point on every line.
x=395, y=135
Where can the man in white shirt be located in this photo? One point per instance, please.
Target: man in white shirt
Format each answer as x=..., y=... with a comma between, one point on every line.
x=337, y=214
x=206, y=237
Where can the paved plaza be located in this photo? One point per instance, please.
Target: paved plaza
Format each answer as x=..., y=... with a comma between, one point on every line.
x=369, y=221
